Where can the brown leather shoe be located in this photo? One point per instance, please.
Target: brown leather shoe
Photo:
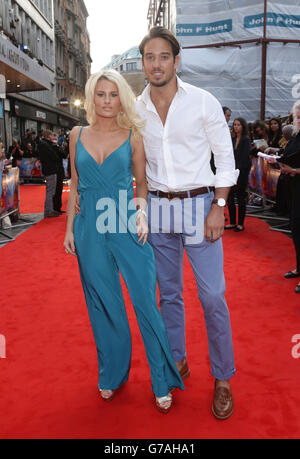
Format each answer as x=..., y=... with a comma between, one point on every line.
x=222, y=407
x=183, y=369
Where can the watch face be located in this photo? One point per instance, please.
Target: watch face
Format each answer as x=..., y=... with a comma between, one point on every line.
x=221, y=202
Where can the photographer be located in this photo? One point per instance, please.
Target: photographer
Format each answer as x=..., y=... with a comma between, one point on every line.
x=49, y=160
x=16, y=153
x=60, y=174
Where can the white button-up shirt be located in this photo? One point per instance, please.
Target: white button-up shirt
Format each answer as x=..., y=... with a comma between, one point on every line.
x=178, y=153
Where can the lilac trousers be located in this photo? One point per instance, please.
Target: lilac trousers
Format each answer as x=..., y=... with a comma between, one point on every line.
x=206, y=259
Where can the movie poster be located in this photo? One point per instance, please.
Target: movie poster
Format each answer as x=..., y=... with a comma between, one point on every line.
x=30, y=168
x=9, y=190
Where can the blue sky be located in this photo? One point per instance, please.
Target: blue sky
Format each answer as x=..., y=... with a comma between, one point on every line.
x=114, y=27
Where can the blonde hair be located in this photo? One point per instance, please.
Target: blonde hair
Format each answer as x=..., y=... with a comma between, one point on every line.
x=296, y=107
x=127, y=117
x=2, y=152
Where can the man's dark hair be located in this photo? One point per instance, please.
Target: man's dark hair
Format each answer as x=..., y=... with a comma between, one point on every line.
x=160, y=32
x=225, y=110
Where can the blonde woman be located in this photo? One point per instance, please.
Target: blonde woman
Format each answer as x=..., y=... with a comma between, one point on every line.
x=109, y=236
x=290, y=165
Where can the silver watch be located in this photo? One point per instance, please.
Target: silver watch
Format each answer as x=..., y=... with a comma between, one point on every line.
x=220, y=202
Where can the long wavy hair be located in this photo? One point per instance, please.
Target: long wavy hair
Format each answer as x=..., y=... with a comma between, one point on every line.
x=274, y=139
x=245, y=130
x=127, y=117
x=296, y=127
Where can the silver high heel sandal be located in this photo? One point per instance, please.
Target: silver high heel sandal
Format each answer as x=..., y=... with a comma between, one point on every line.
x=163, y=404
x=107, y=395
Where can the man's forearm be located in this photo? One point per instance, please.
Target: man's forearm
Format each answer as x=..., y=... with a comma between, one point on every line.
x=222, y=192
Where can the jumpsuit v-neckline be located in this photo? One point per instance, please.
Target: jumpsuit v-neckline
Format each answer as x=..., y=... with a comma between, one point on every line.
x=108, y=156
x=103, y=256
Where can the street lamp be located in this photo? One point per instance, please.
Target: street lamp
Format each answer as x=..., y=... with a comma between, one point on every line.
x=77, y=103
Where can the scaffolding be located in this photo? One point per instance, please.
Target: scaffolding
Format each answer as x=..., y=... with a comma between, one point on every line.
x=263, y=42
x=253, y=69
x=159, y=13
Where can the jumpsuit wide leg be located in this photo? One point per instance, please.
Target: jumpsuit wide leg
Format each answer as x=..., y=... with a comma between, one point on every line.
x=102, y=257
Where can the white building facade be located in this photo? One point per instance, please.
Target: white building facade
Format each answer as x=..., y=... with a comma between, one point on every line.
x=28, y=66
x=130, y=65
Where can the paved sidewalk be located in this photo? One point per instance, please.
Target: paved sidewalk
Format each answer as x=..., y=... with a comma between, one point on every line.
x=26, y=221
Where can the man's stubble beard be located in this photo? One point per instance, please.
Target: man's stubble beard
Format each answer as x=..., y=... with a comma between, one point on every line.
x=162, y=83
x=159, y=85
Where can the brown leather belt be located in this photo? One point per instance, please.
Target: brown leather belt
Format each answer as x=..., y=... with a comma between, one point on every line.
x=183, y=194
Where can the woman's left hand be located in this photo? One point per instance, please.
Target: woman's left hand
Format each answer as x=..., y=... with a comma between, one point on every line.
x=142, y=228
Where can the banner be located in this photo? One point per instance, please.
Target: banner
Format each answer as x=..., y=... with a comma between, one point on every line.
x=283, y=19
x=263, y=178
x=200, y=22
x=9, y=190
x=232, y=75
x=30, y=168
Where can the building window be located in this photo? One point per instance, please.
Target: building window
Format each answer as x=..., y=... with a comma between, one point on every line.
x=131, y=66
x=45, y=6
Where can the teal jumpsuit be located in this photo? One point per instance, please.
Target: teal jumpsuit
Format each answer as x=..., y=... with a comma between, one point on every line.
x=102, y=256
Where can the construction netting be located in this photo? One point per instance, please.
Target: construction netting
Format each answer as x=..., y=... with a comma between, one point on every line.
x=234, y=73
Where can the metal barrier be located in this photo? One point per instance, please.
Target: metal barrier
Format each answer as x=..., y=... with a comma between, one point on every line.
x=263, y=180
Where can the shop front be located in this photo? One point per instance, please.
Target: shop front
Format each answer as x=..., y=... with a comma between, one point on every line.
x=28, y=116
x=24, y=114
x=18, y=73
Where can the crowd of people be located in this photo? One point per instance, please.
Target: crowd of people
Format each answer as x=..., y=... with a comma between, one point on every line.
x=29, y=146
x=249, y=139
x=272, y=137
x=50, y=149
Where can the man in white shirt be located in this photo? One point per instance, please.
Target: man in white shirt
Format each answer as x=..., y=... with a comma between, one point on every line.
x=183, y=125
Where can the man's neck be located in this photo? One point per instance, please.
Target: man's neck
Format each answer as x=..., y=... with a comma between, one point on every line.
x=162, y=95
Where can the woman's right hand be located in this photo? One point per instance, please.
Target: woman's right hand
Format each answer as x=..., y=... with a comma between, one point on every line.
x=142, y=228
x=69, y=244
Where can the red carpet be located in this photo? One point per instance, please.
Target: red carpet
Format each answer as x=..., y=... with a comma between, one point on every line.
x=32, y=198
x=49, y=377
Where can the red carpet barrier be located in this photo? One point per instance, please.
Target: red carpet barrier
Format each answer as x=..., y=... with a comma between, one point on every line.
x=9, y=191
x=30, y=169
x=263, y=178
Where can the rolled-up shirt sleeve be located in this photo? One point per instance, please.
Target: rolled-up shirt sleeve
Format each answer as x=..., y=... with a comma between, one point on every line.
x=219, y=139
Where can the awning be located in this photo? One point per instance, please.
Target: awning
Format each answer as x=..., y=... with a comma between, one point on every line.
x=22, y=73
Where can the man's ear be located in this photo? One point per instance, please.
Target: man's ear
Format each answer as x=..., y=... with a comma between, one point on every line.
x=177, y=61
